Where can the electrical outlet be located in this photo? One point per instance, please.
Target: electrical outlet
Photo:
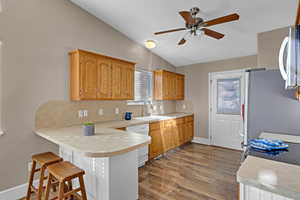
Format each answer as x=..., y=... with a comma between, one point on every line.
x=117, y=111
x=184, y=106
x=29, y=166
x=100, y=111
x=80, y=114
x=154, y=107
x=85, y=113
x=161, y=107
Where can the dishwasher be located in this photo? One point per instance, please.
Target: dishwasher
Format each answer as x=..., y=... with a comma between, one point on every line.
x=143, y=151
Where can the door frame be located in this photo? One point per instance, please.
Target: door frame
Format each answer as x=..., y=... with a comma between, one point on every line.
x=210, y=98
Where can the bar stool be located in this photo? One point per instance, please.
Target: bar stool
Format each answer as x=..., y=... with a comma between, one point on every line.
x=64, y=172
x=43, y=160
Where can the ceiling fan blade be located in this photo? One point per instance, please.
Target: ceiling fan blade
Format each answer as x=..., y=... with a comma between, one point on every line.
x=182, y=41
x=213, y=34
x=169, y=31
x=221, y=20
x=187, y=17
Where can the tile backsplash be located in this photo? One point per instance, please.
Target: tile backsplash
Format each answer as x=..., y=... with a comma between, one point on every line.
x=59, y=113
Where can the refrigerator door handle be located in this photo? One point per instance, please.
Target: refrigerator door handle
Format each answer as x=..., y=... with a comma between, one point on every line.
x=242, y=134
x=281, y=58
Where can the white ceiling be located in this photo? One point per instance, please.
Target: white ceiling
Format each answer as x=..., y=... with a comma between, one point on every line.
x=139, y=19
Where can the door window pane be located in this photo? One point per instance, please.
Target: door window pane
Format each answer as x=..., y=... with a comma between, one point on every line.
x=229, y=96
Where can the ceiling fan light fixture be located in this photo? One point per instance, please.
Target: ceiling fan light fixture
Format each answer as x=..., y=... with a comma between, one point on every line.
x=199, y=32
x=150, y=44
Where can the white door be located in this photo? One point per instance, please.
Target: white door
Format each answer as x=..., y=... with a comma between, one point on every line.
x=227, y=106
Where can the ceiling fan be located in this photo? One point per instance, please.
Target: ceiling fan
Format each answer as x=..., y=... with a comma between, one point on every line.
x=197, y=26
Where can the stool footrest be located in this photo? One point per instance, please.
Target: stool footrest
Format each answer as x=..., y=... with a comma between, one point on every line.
x=72, y=192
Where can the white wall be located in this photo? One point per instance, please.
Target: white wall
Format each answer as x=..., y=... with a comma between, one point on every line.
x=196, y=87
x=37, y=36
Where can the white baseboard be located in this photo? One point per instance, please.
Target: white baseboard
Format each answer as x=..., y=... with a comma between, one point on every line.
x=15, y=192
x=201, y=140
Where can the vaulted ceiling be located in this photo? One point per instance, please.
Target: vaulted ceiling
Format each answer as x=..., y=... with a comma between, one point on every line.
x=139, y=19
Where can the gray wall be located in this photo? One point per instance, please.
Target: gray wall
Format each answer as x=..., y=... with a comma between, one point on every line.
x=196, y=86
x=271, y=107
x=36, y=36
x=268, y=44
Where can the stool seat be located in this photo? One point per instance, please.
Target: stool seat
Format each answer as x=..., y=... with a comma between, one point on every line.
x=64, y=171
x=46, y=158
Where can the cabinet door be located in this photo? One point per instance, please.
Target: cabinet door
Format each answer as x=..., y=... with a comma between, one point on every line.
x=166, y=86
x=122, y=80
x=127, y=82
x=173, y=87
x=180, y=124
x=104, y=82
x=156, y=146
x=116, y=80
x=170, y=135
x=180, y=87
x=88, y=77
x=190, y=131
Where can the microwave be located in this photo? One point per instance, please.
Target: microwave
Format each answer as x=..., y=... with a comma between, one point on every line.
x=289, y=58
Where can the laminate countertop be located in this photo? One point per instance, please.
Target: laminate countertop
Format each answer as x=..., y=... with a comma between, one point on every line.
x=272, y=175
x=142, y=120
x=107, y=141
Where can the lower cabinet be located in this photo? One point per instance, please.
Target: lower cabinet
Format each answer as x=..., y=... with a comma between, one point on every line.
x=156, y=147
x=169, y=134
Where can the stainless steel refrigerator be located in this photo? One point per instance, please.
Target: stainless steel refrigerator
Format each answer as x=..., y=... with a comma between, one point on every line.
x=271, y=108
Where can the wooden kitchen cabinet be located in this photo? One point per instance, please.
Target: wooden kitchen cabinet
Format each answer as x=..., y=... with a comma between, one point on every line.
x=169, y=134
x=104, y=78
x=180, y=87
x=97, y=77
x=156, y=147
x=168, y=85
x=123, y=81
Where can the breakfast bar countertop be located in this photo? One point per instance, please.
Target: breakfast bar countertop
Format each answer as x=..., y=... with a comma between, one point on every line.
x=106, y=142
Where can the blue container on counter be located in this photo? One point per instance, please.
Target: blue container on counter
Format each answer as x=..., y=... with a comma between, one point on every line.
x=128, y=115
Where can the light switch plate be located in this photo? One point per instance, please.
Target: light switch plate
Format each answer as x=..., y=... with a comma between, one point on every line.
x=85, y=113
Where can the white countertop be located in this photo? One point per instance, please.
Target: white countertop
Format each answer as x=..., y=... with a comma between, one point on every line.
x=273, y=176
x=107, y=141
x=276, y=177
x=142, y=120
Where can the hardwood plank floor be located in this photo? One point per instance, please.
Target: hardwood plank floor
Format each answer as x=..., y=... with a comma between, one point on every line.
x=194, y=172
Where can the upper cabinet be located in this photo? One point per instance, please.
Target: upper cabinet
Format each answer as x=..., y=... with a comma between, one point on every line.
x=97, y=77
x=168, y=85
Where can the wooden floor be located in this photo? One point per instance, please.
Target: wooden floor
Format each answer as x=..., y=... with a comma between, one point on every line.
x=193, y=172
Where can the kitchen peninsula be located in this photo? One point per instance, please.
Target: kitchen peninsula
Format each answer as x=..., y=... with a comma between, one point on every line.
x=109, y=159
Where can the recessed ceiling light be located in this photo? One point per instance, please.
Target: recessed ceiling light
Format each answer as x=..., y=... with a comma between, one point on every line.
x=150, y=44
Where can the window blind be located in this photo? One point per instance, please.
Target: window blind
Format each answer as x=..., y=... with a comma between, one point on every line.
x=143, y=86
